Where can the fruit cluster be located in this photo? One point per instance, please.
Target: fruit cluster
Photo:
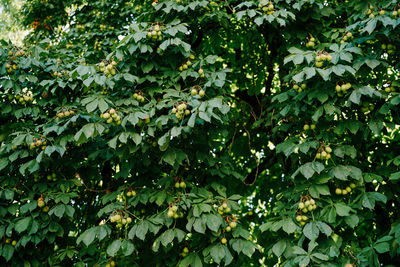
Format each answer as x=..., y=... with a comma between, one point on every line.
x=186, y=64
x=52, y=177
x=302, y=219
x=232, y=225
x=197, y=90
x=299, y=88
x=155, y=32
x=104, y=27
x=396, y=13
x=307, y=127
x=224, y=208
x=268, y=7
x=110, y=116
x=324, y=153
x=389, y=48
x=97, y=45
x=41, y=204
x=342, y=89
x=120, y=220
x=347, y=36
x=38, y=142
x=310, y=42
x=180, y=110
x=131, y=193
x=201, y=72
x=345, y=191
x=366, y=106
x=65, y=113
x=20, y=53
x=24, y=97
x=57, y=74
x=109, y=70
x=180, y=184
x=321, y=58
x=111, y=264
x=11, y=67
x=138, y=96
x=173, y=212
x=390, y=89
x=307, y=204
x=185, y=252
x=8, y=241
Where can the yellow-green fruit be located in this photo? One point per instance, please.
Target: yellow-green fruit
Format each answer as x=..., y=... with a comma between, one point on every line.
x=224, y=241
x=177, y=185
x=228, y=229
x=40, y=203
x=185, y=250
x=306, y=127
x=46, y=209
x=14, y=243
x=182, y=184
x=233, y=225
x=352, y=185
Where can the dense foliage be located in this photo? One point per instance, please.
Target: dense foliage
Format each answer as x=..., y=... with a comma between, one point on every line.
x=201, y=133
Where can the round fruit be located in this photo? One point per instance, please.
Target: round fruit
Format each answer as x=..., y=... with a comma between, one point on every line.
x=177, y=184
x=328, y=149
x=112, y=263
x=228, y=229
x=302, y=223
x=344, y=192
x=170, y=213
x=46, y=209
x=224, y=241
x=182, y=184
x=306, y=127
x=323, y=154
x=298, y=218
x=14, y=243
x=338, y=191
x=301, y=205
x=185, y=250
x=348, y=189
x=202, y=93
x=233, y=225
x=307, y=203
x=352, y=185
x=40, y=203
x=174, y=208
x=313, y=126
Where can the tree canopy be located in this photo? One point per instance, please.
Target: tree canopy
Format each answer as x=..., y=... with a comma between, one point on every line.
x=201, y=133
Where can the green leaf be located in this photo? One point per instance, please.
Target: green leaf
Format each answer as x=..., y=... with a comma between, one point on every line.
x=311, y=231
x=217, y=252
x=114, y=247
x=22, y=224
x=279, y=248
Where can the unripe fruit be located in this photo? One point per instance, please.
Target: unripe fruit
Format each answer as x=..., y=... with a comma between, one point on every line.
x=14, y=243
x=338, y=191
x=318, y=156
x=202, y=93
x=201, y=71
x=323, y=154
x=307, y=203
x=352, y=185
x=193, y=92
x=233, y=225
x=304, y=218
x=185, y=250
x=182, y=184
x=328, y=149
x=312, y=202
x=187, y=112
x=348, y=265
x=312, y=126
x=177, y=184
x=344, y=192
x=298, y=218
x=301, y=205
x=40, y=203
x=46, y=209
x=348, y=189
x=112, y=263
x=170, y=213
x=106, y=115
x=306, y=127
x=302, y=223
x=228, y=229
x=224, y=241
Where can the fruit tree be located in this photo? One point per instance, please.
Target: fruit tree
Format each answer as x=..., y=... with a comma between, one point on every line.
x=201, y=133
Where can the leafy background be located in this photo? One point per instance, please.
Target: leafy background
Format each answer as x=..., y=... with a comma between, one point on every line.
x=287, y=101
